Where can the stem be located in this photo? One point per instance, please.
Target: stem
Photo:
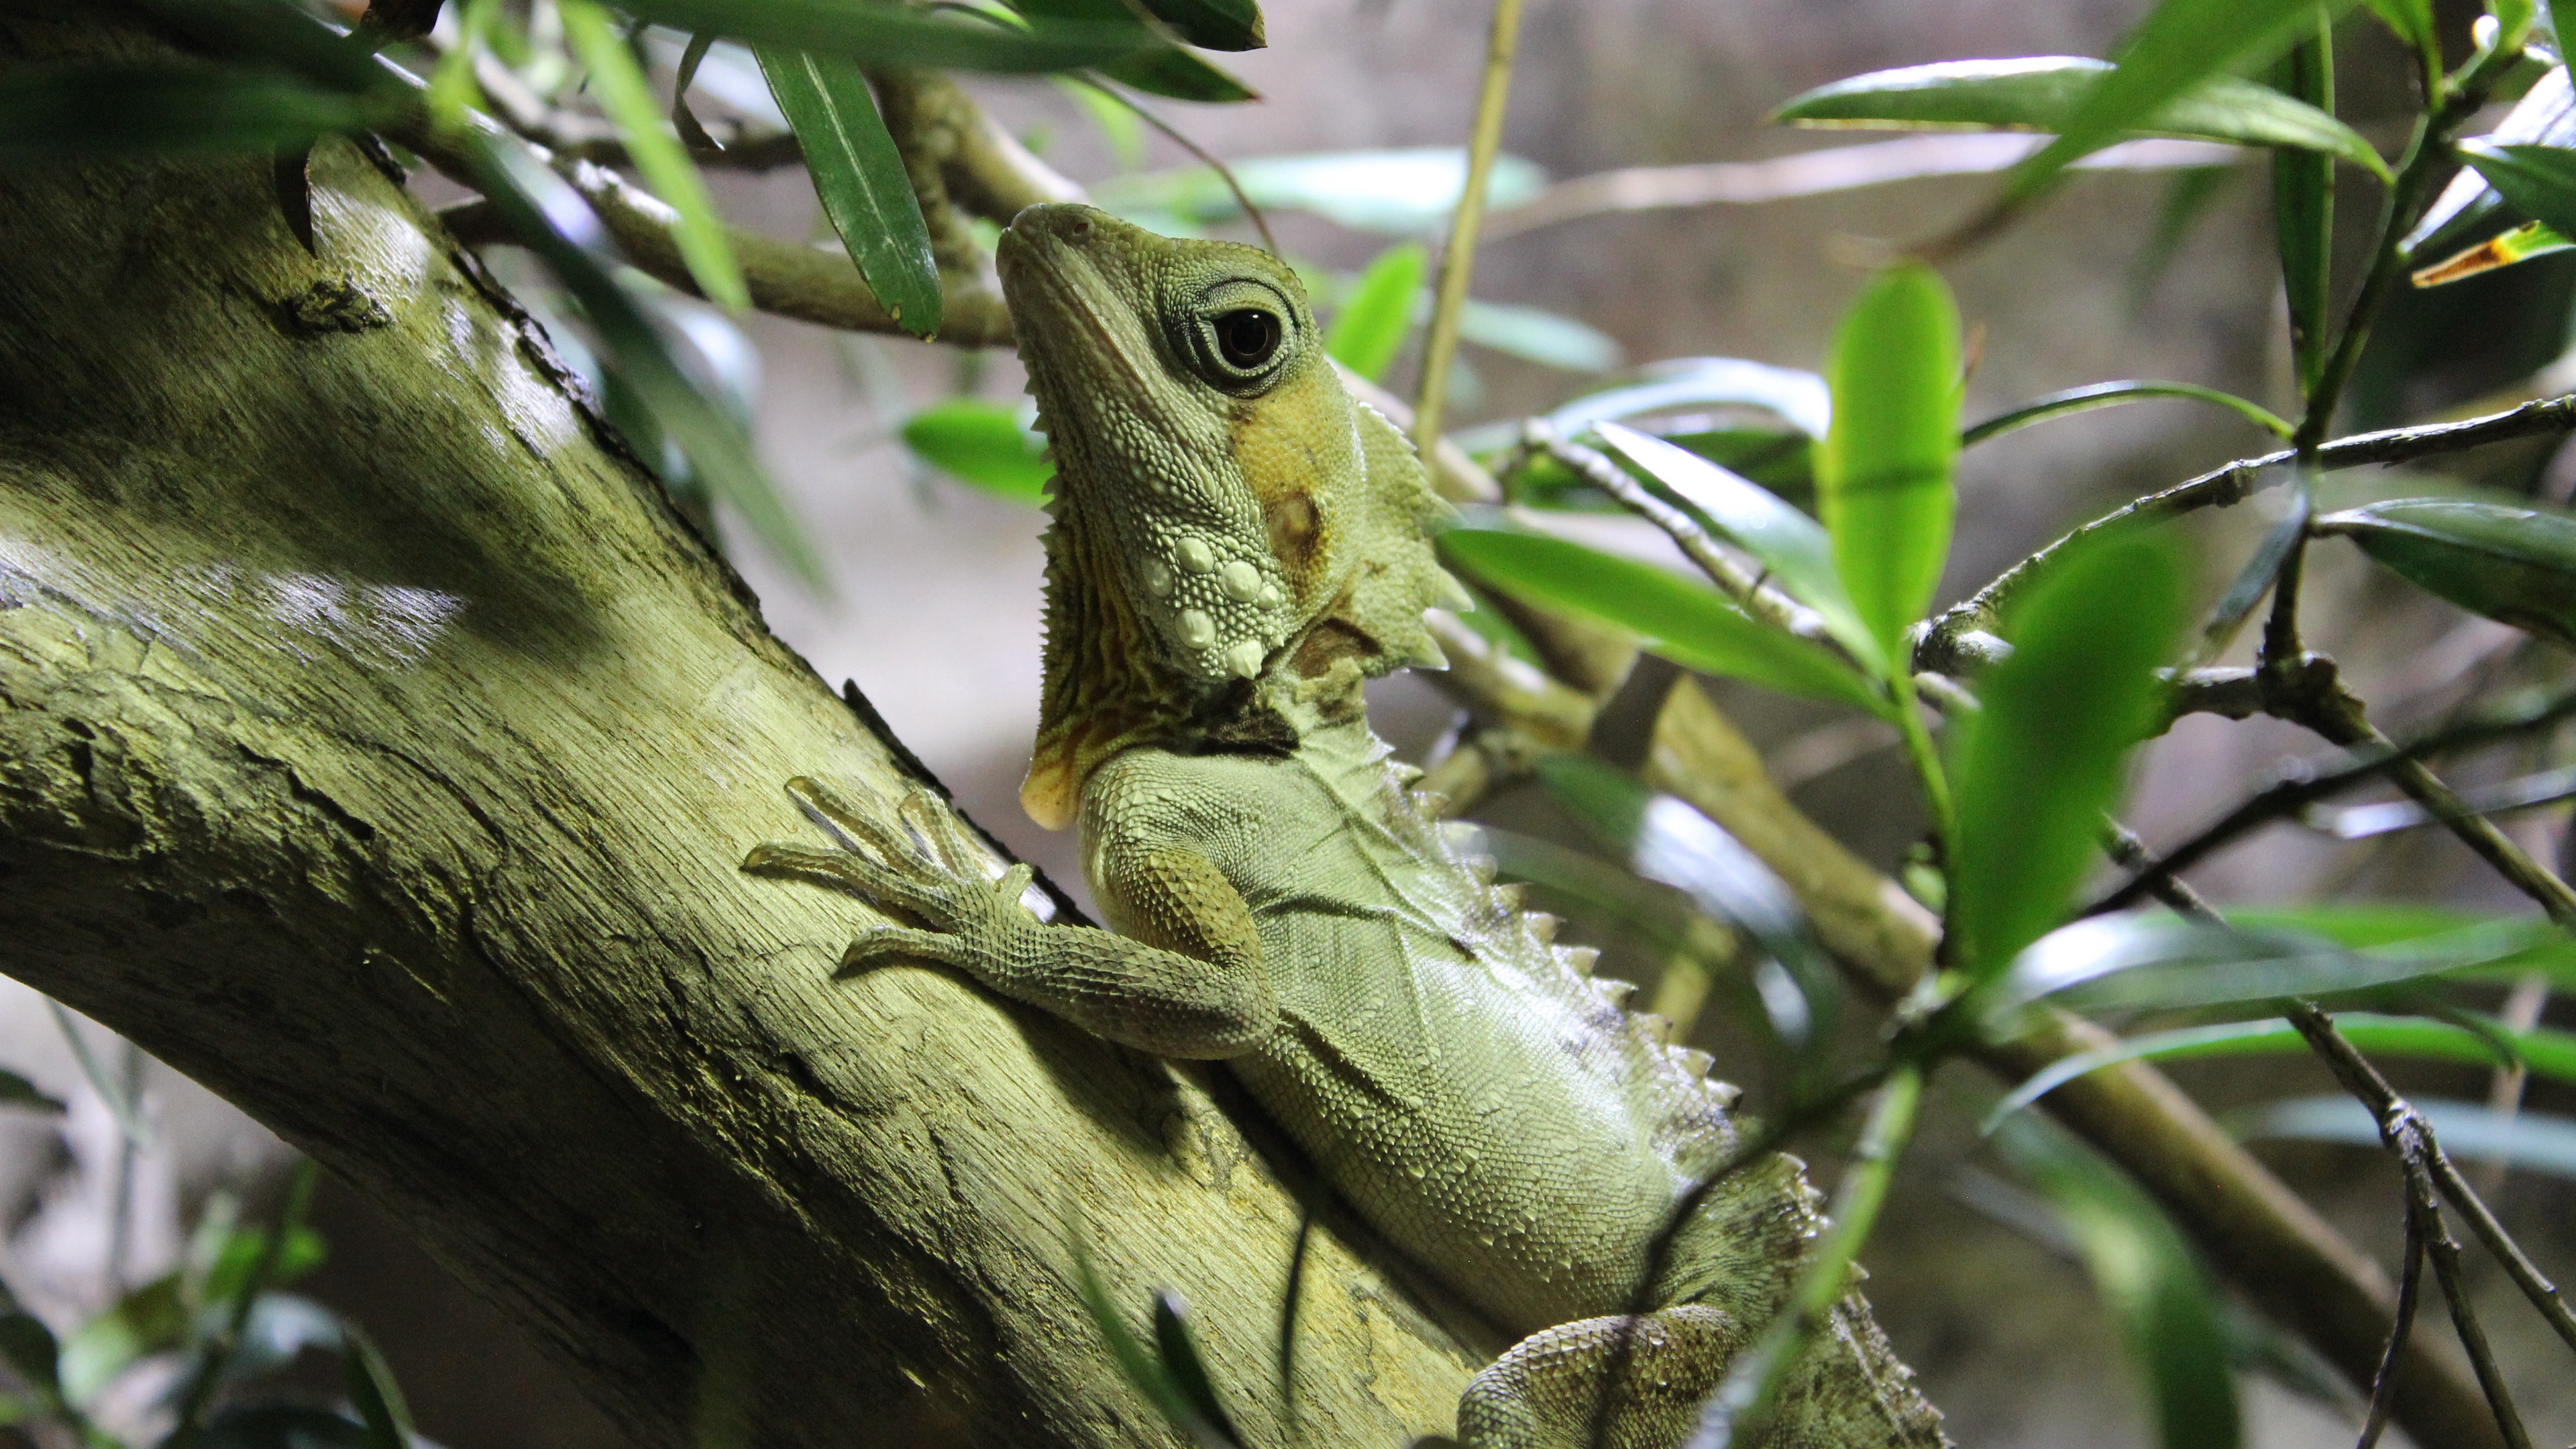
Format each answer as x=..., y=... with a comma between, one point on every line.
x=219, y=1354
x=1920, y=753
x=1741, y=1405
x=1458, y=259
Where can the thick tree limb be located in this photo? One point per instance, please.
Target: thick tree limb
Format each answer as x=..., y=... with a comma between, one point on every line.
x=379, y=748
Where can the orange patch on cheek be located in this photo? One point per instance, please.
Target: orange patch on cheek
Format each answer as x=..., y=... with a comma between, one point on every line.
x=1290, y=444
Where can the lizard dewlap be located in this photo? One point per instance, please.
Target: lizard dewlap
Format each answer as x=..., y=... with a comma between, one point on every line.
x=1237, y=545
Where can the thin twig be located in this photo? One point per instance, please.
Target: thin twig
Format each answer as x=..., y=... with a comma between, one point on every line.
x=1732, y=579
x=2383, y=1384
x=1458, y=257
x=2234, y=483
x=1205, y=157
x=2367, y=757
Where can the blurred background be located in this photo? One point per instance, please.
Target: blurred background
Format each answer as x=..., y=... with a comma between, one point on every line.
x=934, y=608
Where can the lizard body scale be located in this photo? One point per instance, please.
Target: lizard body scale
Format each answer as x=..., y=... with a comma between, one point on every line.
x=1236, y=546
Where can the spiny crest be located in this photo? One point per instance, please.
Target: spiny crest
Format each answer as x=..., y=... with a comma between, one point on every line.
x=1393, y=571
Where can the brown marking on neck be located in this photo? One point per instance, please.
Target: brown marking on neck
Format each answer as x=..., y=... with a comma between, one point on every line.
x=1296, y=446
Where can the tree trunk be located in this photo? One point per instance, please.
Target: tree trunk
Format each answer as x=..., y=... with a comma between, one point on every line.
x=379, y=748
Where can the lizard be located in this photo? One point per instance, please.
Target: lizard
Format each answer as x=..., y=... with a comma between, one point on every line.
x=1235, y=546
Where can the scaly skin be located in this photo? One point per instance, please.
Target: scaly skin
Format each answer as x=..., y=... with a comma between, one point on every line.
x=1237, y=546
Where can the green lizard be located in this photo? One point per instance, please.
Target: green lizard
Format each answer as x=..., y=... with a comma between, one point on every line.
x=1237, y=546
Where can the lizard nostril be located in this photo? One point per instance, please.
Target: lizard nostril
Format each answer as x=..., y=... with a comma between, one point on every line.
x=1076, y=228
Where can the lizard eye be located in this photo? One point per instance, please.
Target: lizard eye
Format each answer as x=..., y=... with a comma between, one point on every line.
x=1247, y=337
x=1239, y=335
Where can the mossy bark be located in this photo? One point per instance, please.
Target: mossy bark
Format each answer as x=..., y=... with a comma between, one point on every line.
x=378, y=747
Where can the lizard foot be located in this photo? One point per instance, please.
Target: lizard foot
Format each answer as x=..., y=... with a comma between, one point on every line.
x=1545, y=1392
x=935, y=874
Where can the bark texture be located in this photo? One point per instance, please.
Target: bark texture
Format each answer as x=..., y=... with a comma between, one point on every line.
x=377, y=747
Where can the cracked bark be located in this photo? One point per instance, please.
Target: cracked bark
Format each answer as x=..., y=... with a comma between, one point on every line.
x=377, y=747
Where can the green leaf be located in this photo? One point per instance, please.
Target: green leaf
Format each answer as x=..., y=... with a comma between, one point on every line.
x=2546, y=115
x=2303, y=207
x=17, y=1091
x=860, y=178
x=2545, y=1052
x=2514, y=565
x=1162, y=71
x=2113, y=394
x=452, y=87
x=2049, y=93
x=2160, y=963
x=1883, y=480
x=550, y=218
x=279, y=1426
x=2180, y=46
x=2155, y=1290
x=2037, y=766
x=982, y=443
x=1213, y=24
x=31, y=1349
x=150, y=1319
x=873, y=35
x=2412, y=20
x=2531, y=239
x=80, y=109
x=1374, y=319
x=1534, y=335
x=373, y=1392
x=2538, y=181
x=1670, y=842
x=1799, y=398
x=1792, y=547
x=1688, y=623
x=1184, y=1364
x=619, y=84
x=2365, y=925
x=2529, y=1140
x=1144, y=1368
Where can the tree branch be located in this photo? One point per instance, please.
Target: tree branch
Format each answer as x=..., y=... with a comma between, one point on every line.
x=2229, y=485
x=377, y=746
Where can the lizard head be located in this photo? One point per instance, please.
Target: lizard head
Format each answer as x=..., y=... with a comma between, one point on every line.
x=1232, y=531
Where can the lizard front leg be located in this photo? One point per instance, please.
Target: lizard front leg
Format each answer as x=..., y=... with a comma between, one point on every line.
x=1196, y=989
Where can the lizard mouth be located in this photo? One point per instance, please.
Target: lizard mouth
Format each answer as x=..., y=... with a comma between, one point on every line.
x=1079, y=313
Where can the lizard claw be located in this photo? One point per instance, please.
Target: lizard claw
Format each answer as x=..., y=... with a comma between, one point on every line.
x=932, y=871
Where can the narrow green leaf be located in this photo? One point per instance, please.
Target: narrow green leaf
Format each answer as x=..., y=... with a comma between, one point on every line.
x=1213, y=24
x=2546, y=116
x=2179, y=46
x=1670, y=842
x=31, y=1349
x=17, y=1091
x=2529, y=1140
x=2035, y=769
x=550, y=218
x=2303, y=205
x=2545, y=1052
x=2152, y=962
x=619, y=84
x=1162, y=70
x=1802, y=399
x=1534, y=335
x=860, y=178
x=1143, y=1367
x=872, y=34
x=2112, y=394
x=2048, y=92
x=1792, y=547
x=1184, y=1364
x=2155, y=1290
x=82, y=109
x=452, y=87
x=278, y=1426
x=2412, y=20
x=2514, y=565
x=982, y=443
x=374, y=1393
x=1375, y=318
x=1688, y=623
x=2531, y=239
x=1883, y=480
x=2538, y=181
x=1783, y=462
x=2367, y=925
